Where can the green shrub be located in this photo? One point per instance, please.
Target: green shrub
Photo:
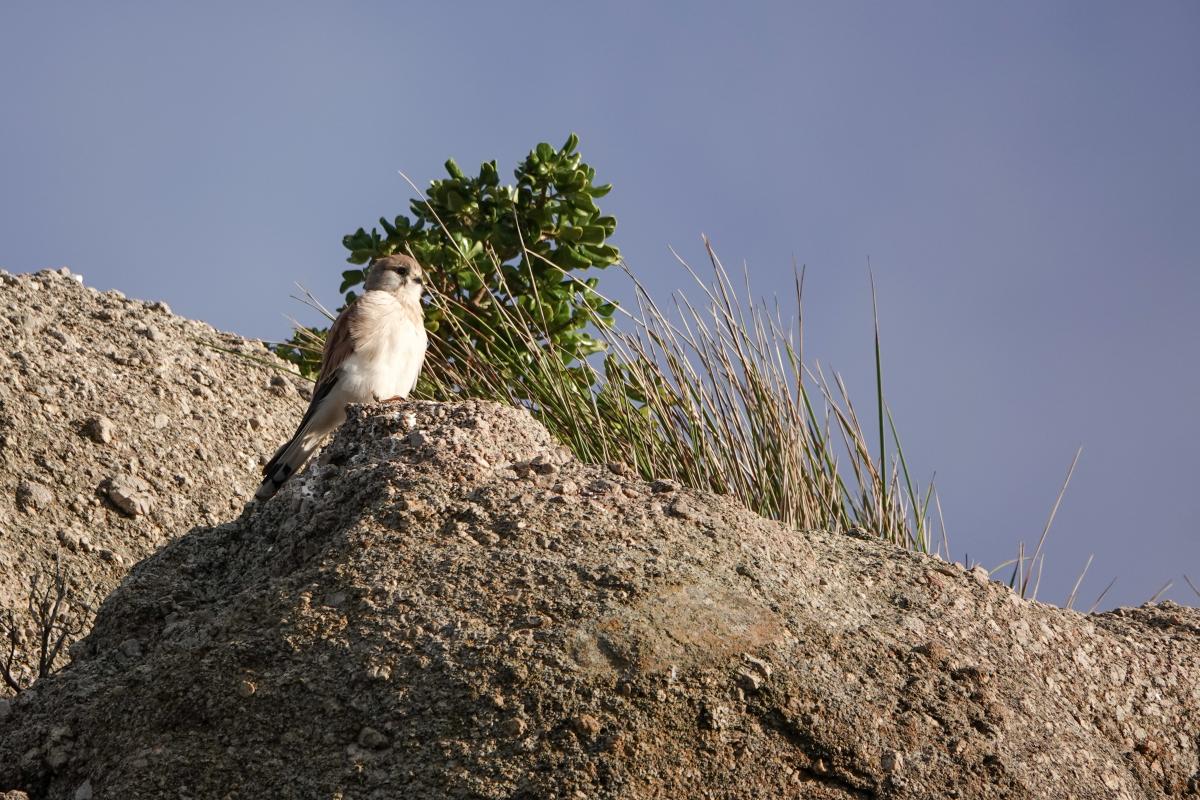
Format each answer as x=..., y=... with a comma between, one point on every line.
x=492, y=250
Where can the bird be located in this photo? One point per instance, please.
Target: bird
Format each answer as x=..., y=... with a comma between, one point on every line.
x=374, y=351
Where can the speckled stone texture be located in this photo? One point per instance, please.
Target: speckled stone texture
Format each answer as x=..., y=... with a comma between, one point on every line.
x=447, y=606
x=121, y=426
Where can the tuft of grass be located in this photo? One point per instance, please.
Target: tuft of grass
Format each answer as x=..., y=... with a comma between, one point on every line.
x=714, y=395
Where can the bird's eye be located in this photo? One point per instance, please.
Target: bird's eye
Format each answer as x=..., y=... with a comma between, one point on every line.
x=402, y=272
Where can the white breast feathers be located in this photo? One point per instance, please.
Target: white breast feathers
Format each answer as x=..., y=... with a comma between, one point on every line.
x=389, y=348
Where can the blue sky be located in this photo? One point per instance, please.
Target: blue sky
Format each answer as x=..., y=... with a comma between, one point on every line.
x=1023, y=178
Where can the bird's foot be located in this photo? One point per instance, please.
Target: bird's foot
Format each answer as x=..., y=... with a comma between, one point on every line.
x=395, y=399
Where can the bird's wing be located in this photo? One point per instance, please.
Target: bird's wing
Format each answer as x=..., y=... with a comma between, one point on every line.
x=339, y=345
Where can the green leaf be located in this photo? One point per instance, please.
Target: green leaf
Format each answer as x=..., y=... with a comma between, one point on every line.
x=351, y=277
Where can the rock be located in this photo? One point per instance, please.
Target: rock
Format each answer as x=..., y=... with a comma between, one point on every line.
x=372, y=739
x=5, y=709
x=57, y=758
x=84, y=791
x=543, y=464
x=130, y=493
x=33, y=496
x=587, y=726
x=281, y=386
x=100, y=429
x=604, y=648
x=78, y=355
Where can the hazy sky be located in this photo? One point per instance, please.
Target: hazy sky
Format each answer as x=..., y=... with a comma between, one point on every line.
x=1023, y=177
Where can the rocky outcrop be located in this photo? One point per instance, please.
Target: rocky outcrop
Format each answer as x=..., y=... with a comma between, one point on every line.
x=447, y=606
x=121, y=426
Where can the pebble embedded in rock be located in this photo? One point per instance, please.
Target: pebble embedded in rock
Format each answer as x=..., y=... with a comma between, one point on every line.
x=56, y=758
x=131, y=494
x=513, y=727
x=372, y=739
x=33, y=496
x=84, y=792
x=892, y=761
x=587, y=725
x=100, y=429
x=750, y=681
x=111, y=556
x=543, y=465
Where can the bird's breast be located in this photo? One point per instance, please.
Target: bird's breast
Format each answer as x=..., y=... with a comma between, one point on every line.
x=389, y=346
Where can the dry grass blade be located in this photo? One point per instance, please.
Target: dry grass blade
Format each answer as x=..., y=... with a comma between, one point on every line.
x=312, y=302
x=1053, y=511
x=1166, y=587
x=715, y=396
x=1078, y=581
x=1100, y=599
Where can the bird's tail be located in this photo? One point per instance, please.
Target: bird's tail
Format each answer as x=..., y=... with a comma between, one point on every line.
x=287, y=461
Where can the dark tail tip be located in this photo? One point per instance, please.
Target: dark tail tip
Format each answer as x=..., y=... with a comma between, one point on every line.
x=271, y=484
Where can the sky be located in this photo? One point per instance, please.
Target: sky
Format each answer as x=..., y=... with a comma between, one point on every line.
x=1023, y=179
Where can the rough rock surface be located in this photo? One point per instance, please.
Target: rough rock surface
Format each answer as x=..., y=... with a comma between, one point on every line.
x=448, y=607
x=121, y=426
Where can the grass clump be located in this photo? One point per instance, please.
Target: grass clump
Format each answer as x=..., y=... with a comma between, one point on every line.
x=713, y=395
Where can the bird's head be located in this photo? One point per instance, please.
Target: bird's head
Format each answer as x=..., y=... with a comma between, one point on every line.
x=398, y=274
